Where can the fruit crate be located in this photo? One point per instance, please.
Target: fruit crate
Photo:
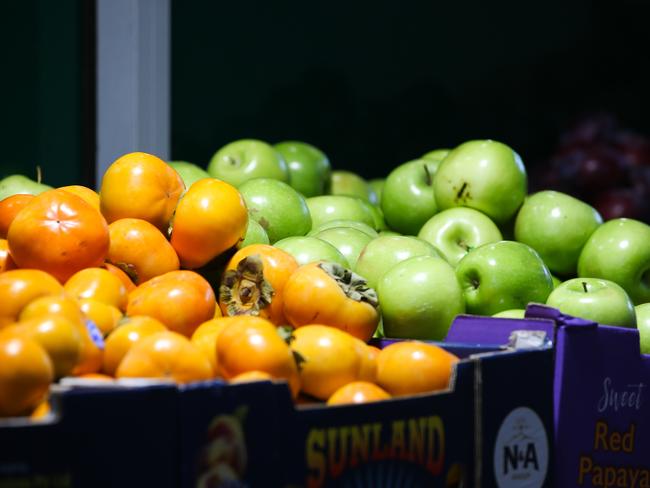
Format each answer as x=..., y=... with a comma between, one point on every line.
x=99, y=436
x=491, y=428
x=602, y=412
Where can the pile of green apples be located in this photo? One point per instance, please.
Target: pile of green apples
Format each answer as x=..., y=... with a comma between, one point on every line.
x=451, y=232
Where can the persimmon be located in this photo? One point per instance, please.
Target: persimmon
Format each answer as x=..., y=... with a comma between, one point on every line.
x=254, y=280
x=368, y=371
x=59, y=336
x=89, y=195
x=25, y=375
x=97, y=284
x=182, y=300
x=18, y=287
x=92, y=350
x=254, y=344
x=105, y=317
x=123, y=277
x=209, y=219
x=140, y=185
x=140, y=249
x=120, y=340
x=206, y=336
x=357, y=392
x=329, y=359
x=250, y=376
x=410, y=367
x=9, y=208
x=6, y=263
x=60, y=233
x=165, y=355
x=329, y=294
x=55, y=304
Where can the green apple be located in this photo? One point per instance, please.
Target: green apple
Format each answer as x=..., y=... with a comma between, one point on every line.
x=455, y=231
x=245, y=159
x=643, y=324
x=556, y=281
x=501, y=276
x=619, y=251
x=348, y=183
x=377, y=215
x=309, y=167
x=310, y=249
x=277, y=207
x=325, y=208
x=419, y=298
x=14, y=184
x=377, y=185
x=485, y=175
x=602, y=301
x=349, y=241
x=189, y=172
x=557, y=226
x=384, y=252
x=407, y=199
x=436, y=154
x=355, y=224
x=255, y=234
x=389, y=233
x=513, y=313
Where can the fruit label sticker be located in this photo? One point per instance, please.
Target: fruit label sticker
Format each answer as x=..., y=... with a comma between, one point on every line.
x=95, y=334
x=521, y=450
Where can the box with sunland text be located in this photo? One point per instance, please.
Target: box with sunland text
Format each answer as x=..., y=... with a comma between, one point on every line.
x=493, y=427
x=105, y=435
x=601, y=403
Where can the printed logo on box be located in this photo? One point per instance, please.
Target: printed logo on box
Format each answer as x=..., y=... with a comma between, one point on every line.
x=521, y=450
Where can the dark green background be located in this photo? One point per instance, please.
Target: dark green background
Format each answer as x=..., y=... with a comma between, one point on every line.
x=371, y=83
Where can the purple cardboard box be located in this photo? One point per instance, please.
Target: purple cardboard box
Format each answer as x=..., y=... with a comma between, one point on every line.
x=601, y=403
x=492, y=428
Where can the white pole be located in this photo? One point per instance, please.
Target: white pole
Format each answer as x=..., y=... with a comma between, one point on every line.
x=133, y=79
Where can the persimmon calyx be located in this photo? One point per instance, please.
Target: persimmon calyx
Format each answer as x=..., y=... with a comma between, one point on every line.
x=244, y=290
x=353, y=285
x=128, y=268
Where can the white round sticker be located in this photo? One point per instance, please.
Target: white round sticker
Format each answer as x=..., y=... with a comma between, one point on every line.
x=521, y=450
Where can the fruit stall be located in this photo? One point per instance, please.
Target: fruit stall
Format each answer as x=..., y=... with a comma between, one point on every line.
x=203, y=283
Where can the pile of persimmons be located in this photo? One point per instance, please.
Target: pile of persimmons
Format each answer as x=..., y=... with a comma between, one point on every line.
x=116, y=284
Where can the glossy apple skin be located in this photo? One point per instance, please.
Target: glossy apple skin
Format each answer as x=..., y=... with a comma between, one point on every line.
x=619, y=251
x=348, y=183
x=407, y=200
x=501, y=276
x=643, y=324
x=189, y=172
x=325, y=208
x=384, y=252
x=485, y=175
x=277, y=207
x=436, y=154
x=349, y=241
x=419, y=299
x=377, y=185
x=455, y=231
x=602, y=301
x=355, y=224
x=255, y=234
x=310, y=249
x=557, y=226
x=14, y=184
x=309, y=167
x=245, y=159
x=513, y=313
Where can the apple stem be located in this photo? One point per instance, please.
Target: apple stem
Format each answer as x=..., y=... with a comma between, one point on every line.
x=428, y=176
x=39, y=174
x=584, y=286
x=462, y=190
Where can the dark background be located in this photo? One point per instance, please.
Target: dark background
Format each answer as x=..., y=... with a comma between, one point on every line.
x=373, y=84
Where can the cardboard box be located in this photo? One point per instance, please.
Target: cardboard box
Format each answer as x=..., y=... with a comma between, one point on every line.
x=601, y=403
x=95, y=437
x=492, y=428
